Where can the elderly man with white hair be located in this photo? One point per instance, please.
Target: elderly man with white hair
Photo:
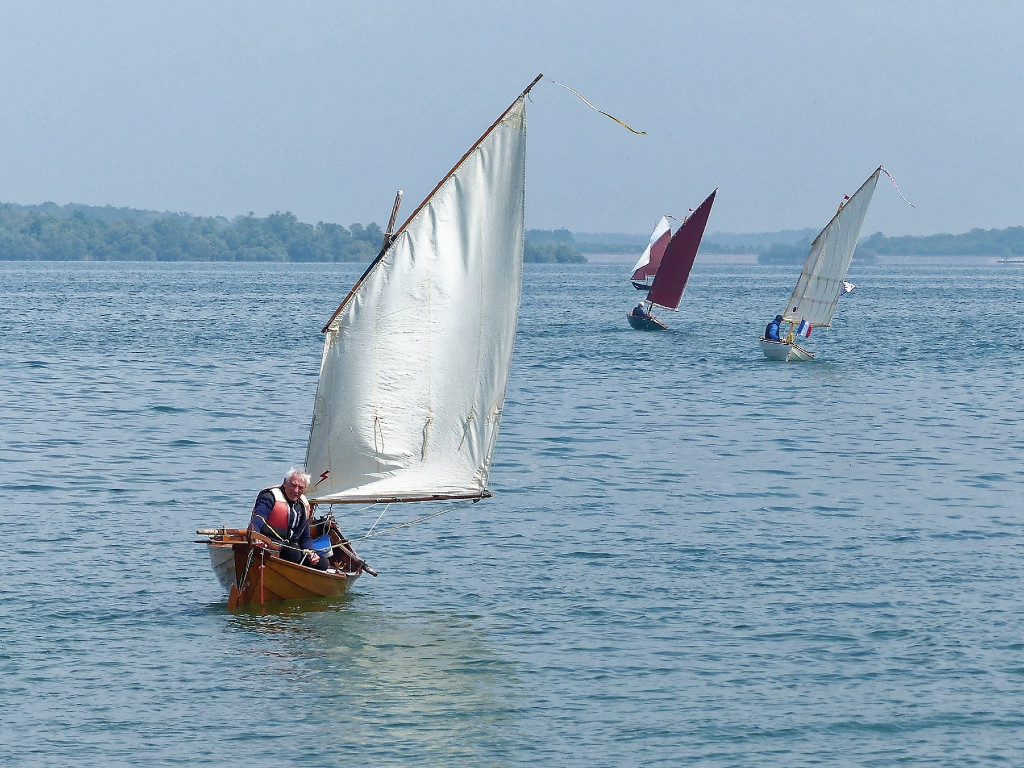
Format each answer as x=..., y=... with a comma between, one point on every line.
x=281, y=514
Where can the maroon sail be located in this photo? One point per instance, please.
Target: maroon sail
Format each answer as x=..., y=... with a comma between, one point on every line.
x=669, y=282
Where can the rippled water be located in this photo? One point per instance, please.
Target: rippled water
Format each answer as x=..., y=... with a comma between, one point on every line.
x=693, y=556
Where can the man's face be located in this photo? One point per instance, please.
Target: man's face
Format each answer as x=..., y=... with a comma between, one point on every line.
x=293, y=488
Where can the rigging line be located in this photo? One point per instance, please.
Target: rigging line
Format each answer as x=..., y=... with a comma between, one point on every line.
x=440, y=512
x=386, y=508
x=886, y=172
x=628, y=128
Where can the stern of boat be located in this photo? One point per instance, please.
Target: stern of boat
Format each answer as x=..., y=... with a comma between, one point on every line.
x=785, y=352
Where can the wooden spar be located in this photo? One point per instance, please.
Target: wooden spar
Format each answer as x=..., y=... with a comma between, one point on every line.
x=398, y=499
x=389, y=234
x=426, y=200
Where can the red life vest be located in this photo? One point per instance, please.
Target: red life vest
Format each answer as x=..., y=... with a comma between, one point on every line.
x=278, y=517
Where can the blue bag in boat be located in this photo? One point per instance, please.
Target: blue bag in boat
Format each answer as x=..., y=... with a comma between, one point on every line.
x=322, y=546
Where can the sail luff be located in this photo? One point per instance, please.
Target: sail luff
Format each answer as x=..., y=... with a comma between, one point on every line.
x=670, y=281
x=819, y=286
x=416, y=362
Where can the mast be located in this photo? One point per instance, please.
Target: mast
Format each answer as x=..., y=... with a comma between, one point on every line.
x=389, y=233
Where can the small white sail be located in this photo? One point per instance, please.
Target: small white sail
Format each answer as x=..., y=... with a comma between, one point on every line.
x=416, y=361
x=821, y=282
x=650, y=259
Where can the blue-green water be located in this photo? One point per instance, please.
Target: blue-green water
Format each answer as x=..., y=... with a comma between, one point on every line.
x=693, y=556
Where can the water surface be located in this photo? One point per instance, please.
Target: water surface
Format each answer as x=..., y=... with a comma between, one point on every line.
x=694, y=556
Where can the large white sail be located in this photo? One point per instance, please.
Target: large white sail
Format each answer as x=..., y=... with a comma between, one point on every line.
x=820, y=285
x=415, y=363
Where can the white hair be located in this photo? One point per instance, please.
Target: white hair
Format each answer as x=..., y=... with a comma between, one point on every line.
x=298, y=474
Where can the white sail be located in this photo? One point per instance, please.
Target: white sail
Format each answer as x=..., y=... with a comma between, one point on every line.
x=415, y=363
x=639, y=273
x=821, y=282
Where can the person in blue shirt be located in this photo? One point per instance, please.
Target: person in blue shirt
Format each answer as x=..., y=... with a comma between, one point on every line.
x=639, y=311
x=771, y=331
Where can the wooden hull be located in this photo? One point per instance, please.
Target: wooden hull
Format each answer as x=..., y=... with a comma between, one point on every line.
x=263, y=577
x=785, y=351
x=645, y=323
x=253, y=573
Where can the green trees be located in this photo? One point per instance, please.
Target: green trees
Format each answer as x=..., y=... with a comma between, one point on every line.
x=72, y=232
x=84, y=233
x=977, y=242
x=551, y=246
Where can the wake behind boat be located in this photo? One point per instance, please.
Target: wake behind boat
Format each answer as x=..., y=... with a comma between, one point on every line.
x=673, y=269
x=414, y=369
x=822, y=281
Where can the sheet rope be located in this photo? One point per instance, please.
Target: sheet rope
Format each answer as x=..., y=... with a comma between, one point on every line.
x=370, y=534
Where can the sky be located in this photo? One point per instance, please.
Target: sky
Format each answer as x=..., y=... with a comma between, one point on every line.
x=325, y=109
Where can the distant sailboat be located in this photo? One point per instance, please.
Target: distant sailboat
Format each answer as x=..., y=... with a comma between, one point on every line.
x=672, y=273
x=414, y=370
x=650, y=259
x=823, y=279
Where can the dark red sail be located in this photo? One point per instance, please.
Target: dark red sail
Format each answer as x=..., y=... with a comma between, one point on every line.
x=669, y=282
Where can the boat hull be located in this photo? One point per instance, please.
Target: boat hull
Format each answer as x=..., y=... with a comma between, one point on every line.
x=222, y=558
x=645, y=323
x=641, y=286
x=252, y=573
x=263, y=577
x=785, y=351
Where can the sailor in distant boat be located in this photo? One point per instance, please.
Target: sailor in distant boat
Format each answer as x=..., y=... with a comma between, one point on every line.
x=639, y=311
x=771, y=331
x=281, y=514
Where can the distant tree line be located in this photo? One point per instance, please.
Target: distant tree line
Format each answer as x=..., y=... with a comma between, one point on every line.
x=50, y=232
x=83, y=233
x=91, y=233
x=977, y=242
x=551, y=246
x=788, y=253
x=714, y=242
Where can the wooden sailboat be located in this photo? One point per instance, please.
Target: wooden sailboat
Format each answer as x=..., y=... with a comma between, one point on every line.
x=821, y=282
x=674, y=270
x=414, y=369
x=249, y=569
x=647, y=265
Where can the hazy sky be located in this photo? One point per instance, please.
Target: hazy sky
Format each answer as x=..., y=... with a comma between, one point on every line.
x=324, y=109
